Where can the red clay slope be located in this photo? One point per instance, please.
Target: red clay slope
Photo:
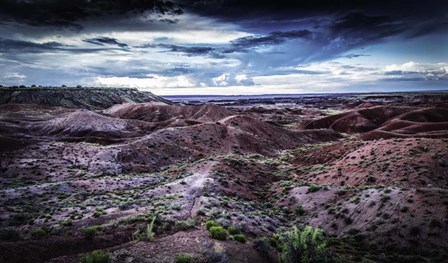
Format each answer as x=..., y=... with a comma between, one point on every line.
x=430, y=123
x=82, y=122
x=358, y=120
x=387, y=122
x=158, y=112
x=230, y=135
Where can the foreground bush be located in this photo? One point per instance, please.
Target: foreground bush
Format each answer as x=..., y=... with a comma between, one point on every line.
x=233, y=230
x=240, y=238
x=184, y=225
x=89, y=232
x=218, y=232
x=39, y=233
x=150, y=234
x=210, y=223
x=183, y=258
x=306, y=246
x=96, y=256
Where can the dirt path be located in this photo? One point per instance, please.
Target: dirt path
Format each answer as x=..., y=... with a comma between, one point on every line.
x=198, y=185
x=198, y=179
x=190, y=189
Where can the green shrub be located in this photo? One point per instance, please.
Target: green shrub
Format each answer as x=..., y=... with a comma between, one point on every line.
x=176, y=207
x=306, y=246
x=89, y=232
x=274, y=240
x=98, y=212
x=150, y=235
x=39, y=233
x=240, y=237
x=183, y=258
x=210, y=223
x=233, y=230
x=96, y=256
x=66, y=223
x=184, y=225
x=299, y=211
x=217, y=232
x=313, y=188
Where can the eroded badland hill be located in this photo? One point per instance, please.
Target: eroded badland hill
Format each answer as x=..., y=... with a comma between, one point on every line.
x=145, y=180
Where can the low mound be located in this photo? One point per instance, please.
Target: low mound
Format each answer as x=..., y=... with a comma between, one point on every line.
x=87, y=98
x=209, y=112
x=410, y=162
x=388, y=122
x=430, y=123
x=249, y=131
x=359, y=120
x=82, y=123
x=426, y=115
x=157, y=112
x=234, y=134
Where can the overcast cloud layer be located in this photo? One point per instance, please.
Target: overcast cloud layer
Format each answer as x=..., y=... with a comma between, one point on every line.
x=226, y=46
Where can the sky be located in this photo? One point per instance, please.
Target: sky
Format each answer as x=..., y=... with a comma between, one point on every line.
x=226, y=47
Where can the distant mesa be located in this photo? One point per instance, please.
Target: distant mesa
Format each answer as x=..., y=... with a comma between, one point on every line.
x=87, y=98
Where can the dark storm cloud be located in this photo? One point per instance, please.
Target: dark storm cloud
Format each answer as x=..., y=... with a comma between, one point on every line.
x=192, y=51
x=101, y=41
x=186, y=50
x=285, y=9
x=243, y=9
x=429, y=27
x=354, y=56
x=68, y=13
x=271, y=39
x=368, y=19
x=9, y=45
x=238, y=45
x=366, y=26
x=334, y=36
x=131, y=73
